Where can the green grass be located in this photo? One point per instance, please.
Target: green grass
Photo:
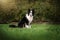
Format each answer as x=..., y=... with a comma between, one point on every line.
x=37, y=32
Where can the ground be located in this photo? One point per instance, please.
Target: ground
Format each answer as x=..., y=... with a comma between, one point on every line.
x=37, y=32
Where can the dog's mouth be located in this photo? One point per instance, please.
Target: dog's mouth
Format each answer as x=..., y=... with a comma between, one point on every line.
x=30, y=15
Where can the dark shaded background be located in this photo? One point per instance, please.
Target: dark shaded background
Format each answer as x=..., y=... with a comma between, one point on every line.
x=45, y=10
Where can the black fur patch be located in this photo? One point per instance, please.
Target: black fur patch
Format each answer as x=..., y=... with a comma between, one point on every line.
x=23, y=22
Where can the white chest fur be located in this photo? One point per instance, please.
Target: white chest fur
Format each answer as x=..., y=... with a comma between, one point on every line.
x=29, y=17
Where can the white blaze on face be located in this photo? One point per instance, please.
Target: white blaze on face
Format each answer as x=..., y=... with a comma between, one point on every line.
x=30, y=14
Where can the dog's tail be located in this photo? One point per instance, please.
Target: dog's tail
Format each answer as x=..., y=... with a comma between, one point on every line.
x=13, y=26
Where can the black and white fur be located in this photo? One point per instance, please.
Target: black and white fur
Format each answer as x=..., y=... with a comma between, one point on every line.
x=27, y=19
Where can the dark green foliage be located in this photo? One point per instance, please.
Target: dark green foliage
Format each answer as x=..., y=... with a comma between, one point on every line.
x=44, y=10
x=54, y=13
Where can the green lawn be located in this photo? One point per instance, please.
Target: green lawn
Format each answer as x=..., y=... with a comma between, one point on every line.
x=37, y=32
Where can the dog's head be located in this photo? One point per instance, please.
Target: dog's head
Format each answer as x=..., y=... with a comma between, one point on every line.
x=31, y=12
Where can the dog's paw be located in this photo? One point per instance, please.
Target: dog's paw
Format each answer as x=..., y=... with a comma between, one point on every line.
x=28, y=26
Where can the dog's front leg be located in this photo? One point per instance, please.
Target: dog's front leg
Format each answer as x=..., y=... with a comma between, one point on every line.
x=27, y=25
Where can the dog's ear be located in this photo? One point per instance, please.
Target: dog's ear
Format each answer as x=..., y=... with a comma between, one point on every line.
x=33, y=12
x=28, y=11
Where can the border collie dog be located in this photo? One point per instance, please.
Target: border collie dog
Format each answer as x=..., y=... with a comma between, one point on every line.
x=27, y=19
